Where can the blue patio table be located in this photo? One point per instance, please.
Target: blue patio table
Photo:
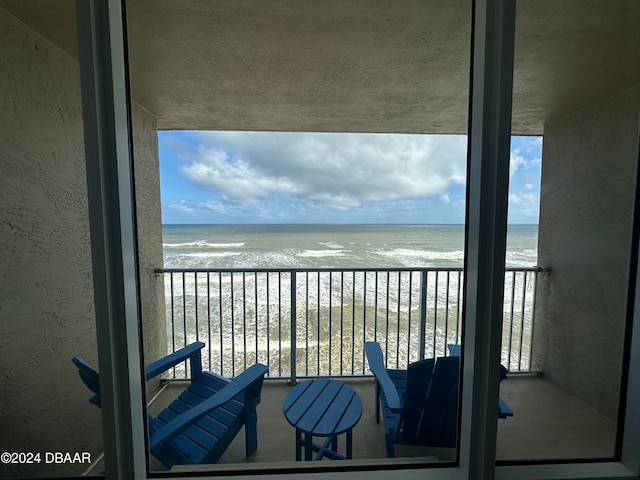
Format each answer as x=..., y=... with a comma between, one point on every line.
x=322, y=408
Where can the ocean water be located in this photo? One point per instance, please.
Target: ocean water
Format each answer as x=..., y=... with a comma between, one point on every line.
x=249, y=317
x=348, y=246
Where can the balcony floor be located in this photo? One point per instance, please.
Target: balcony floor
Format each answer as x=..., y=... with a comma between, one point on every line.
x=548, y=423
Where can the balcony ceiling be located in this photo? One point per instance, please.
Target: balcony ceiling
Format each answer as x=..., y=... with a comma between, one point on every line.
x=354, y=65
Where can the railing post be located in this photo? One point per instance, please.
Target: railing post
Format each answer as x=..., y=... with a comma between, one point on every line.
x=293, y=380
x=423, y=314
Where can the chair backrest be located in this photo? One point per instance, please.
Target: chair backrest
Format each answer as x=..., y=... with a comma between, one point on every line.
x=444, y=383
x=432, y=415
x=89, y=377
x=419, y=376
x=418, y=380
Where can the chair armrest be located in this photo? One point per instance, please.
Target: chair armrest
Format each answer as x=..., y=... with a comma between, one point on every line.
x=186, y=419
x=454, y=350
x=504, y=410
x=376, y=365
x=159, y=366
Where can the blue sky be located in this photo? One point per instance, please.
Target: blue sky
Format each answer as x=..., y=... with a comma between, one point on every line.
x=266, y=177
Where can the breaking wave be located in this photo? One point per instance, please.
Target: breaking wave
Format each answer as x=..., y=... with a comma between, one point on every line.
x=203, y=244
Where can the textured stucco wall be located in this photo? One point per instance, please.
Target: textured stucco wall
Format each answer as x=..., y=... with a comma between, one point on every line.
x=149, y=223
x=46, y=289
x=588, y=184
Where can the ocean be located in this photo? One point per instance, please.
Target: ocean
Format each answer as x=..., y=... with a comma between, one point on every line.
x=339, y=246
x=246, y=316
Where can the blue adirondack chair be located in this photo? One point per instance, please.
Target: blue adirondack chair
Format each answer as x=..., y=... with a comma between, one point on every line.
x=504, y=410
x=420, y=404
x=199, y=425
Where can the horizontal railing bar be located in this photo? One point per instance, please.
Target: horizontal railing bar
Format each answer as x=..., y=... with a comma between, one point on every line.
x=340, y=269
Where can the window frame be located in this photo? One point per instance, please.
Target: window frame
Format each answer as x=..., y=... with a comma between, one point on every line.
x=106, y=111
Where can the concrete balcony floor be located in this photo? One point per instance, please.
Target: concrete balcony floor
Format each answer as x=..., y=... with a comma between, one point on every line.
x=548, y=423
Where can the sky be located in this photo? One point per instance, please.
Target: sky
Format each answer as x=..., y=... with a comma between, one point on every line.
x=267, y=177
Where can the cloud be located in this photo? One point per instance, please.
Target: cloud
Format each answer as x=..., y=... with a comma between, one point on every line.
x=519, y=162
x=182, y=206
x=340, y=171
x=525, y=154
x=524, y=203
x=258, y=177
x=522, y=198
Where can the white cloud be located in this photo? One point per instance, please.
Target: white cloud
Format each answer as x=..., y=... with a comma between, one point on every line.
x=519, y=162
x=526, y=197
x=293, y=177
x=235, y=177
x=182, y=206
x=524, y=204
x=341, y=171
x=533, y=144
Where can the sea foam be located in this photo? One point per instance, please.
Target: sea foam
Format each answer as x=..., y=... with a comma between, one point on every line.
x=203, y=244
x=323, y=253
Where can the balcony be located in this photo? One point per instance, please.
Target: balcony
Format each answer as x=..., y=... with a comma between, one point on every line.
x=322, y=318
x=548, y=423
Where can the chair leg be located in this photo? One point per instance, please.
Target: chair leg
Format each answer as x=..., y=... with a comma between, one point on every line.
x=388, y=440
x=308, y=446
x=298, y=445
x=251, y=430
x=377, y=400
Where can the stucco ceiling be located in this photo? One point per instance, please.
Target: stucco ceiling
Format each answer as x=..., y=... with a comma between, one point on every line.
x=354, y=65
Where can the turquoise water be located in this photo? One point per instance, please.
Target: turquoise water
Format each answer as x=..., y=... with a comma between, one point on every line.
x=309, y=246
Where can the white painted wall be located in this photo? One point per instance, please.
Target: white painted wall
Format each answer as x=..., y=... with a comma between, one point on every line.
x=46, y=289
x=587, y=193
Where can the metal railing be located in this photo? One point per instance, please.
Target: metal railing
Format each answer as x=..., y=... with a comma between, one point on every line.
x=314, y=322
